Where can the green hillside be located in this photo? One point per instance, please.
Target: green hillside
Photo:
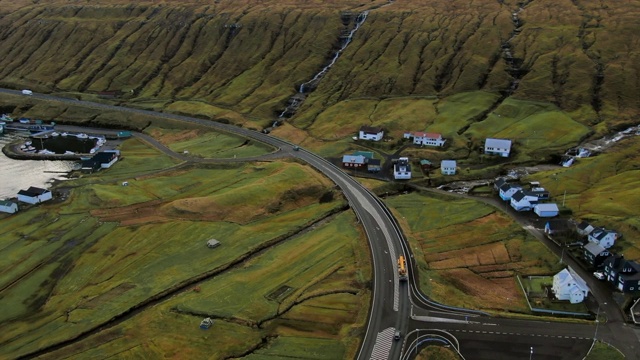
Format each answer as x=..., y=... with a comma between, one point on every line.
x=250, y=57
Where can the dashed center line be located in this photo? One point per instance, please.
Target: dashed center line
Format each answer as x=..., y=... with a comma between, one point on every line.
x=519, y=334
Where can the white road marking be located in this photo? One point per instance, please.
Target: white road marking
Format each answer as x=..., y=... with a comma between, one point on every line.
x=382, y=347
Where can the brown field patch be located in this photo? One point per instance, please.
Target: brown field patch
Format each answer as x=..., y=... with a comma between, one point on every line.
x=497, y=274
x=488, y=254
x=500, y=293
x=136, y=214
x=167, y=137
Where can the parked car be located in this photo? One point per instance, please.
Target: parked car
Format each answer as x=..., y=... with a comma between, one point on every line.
x=27, y=92
x=599, y=275
x=397, y=335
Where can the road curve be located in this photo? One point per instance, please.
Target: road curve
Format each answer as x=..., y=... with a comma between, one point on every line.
x=390, y=298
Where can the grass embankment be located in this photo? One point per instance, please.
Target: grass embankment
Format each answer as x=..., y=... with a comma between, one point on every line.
x=604, y=190
x=437, y=353
x=468, y=253
x=205, y=143
x=69, y=267
x=603, y=351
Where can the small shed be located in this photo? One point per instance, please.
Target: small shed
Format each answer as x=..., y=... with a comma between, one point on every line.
x=213, y=243
x=546, y=210
x=425, y=164
x=8, y=207
x=374, y=165
x=206, y=323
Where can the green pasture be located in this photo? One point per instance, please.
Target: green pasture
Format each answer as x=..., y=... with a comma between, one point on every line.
x=89, y=270
x=424, y=213
x=310, y=258
x=316, y=264
x=217, y=145
x=526, y=123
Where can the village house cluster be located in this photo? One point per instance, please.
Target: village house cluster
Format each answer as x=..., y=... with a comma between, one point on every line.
x=595, y=243
x=531, y=197
x=402, y=166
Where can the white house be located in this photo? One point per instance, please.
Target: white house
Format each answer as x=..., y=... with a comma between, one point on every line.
x=448, y=167
x=523, y=200
x=425, y=138
x=603, y=237
x=371, y=133
x=500, y=147
x=402, y=169
x=34, y=195
x=546, y=210
x=567, y=285
x=507, y=190
x=8, y=207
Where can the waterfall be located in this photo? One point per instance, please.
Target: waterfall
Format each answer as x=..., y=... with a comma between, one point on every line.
x=359, y=21
x=299, y=97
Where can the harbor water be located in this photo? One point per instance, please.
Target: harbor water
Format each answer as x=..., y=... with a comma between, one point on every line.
x=20, y=174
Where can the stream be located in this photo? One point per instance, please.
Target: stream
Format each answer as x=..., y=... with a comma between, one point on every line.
x=296, y=100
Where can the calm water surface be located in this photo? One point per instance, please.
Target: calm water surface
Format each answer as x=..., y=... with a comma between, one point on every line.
x=20, y=174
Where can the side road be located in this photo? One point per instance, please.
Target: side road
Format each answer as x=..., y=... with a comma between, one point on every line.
x=616, y=327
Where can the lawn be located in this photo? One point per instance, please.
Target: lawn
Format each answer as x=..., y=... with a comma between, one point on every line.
x=468, y=253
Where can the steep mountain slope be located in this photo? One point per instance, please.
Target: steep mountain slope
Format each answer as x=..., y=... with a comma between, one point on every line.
x=251, y=56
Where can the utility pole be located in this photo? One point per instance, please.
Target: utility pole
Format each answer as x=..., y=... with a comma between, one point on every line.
x=595, y=334
x=563, y=197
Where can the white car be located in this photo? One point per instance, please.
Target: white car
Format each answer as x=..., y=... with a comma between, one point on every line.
x=599, y=275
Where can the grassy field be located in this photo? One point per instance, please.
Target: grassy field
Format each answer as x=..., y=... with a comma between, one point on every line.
x=468, y=253
x=71, y=266
x=208, y=144
x=603, y=190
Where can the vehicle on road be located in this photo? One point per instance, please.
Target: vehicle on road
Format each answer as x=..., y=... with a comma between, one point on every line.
x=402, y=268
x=27, y=92
x=397, y=335
x=296, y=148
x=599, y=275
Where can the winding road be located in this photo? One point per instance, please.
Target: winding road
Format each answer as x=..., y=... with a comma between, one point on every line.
x=400, y=306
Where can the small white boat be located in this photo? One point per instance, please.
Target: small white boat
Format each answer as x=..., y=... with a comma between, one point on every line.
x=54, y=134
x=82, y=136
x=64, y=134
x=28, y=143
x=69, y=152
